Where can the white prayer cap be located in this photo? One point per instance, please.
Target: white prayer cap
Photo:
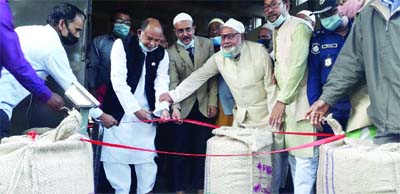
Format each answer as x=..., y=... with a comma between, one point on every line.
x=216, y=20
x=309, y=14
x=182, y=17
x=236, y=25
x=268, y=26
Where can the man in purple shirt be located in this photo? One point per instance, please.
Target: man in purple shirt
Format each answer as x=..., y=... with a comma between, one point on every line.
x=12, y=58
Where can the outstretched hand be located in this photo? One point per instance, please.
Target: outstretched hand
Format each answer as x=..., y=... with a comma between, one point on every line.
x=316, y=112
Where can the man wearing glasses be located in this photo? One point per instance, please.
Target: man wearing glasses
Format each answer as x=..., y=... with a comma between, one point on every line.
x=186, y=55
x=291, y=46
x=99, y=54
x=247, y=69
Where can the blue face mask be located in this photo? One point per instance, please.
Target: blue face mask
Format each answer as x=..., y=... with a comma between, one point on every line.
x=145, y=49
x=186, y=46
x=278, y=22
x=121, y=30
x=227, y=55
x=331, y=23
x=216, y=40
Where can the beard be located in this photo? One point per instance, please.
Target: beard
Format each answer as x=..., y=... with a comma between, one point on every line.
x=235, y=50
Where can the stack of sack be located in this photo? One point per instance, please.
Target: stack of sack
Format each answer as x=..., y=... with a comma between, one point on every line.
x=353, y=166
x=56, y=162
x=239, y=174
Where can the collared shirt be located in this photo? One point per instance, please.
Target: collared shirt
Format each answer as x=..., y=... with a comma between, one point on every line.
x=393, y=5
x=99, y=60
x=12, y=58
x=138, y=100
x=43, y=49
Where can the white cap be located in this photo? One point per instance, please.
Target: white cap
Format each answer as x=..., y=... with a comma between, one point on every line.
x=236, y=25
x=268, y=26
x=308, y=13
x=182, y=17
x=216, y=20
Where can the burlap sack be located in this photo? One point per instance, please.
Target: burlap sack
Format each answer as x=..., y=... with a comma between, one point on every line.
x=57, y=162
x=353, y=166
x=243, y=174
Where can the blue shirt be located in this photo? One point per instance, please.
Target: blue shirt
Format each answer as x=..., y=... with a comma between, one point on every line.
x=325, y=47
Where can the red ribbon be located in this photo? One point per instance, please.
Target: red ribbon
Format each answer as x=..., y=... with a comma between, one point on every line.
x=330, y=138
x=216, y=126
x=32, y=134
x=307, y=145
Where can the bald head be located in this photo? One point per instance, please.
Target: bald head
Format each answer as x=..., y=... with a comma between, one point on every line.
x=150, y=33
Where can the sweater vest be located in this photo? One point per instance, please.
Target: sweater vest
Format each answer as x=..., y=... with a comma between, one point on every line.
x=135, y=60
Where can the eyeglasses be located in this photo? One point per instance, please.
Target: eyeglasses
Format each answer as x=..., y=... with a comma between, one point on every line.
x=272, y=6
x=228, y=36
x=121, y=21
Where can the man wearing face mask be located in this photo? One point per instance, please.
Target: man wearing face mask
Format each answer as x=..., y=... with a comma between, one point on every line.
x=99, y=54
x=13, y=60
x=361, y=62
x=139, y=74
x=291, y=47
x=226, y=101
x=247, y=69
x=43, y=49
x=187, y=54
x=325, y=47
x=265, y=36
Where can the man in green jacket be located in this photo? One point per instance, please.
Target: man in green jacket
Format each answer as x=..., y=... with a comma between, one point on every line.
x=369, y=56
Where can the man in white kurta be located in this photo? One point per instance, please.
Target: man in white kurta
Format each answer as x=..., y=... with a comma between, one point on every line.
x=136, y=106
x=43, y=49
x=247, y=69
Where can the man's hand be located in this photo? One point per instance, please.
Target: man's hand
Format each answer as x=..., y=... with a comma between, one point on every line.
x=176, y=114
x=274, y=82
x=276, y=116
x=143, y=114
x=164, y=116
x=166, y=97
x=211, y=111
x=55, y=101
x=108, y=120
x=316, y=112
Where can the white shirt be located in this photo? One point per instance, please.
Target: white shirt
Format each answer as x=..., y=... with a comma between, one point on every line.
x=134, y=102
x=42, y=48
x=130, y=131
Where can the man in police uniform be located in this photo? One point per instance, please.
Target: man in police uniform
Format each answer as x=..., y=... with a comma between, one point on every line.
x=325, y=47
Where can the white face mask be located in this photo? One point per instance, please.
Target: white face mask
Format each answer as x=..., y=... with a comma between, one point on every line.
x=278, y=22
x=186, y=46
x=145, y=49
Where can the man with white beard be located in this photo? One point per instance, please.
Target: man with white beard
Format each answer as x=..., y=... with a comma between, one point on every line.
x=247, y=69
x=241, y=60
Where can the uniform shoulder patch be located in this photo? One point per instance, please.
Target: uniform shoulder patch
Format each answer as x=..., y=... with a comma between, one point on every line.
x=315, y=48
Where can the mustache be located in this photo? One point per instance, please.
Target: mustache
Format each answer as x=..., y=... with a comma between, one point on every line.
x=186, y=38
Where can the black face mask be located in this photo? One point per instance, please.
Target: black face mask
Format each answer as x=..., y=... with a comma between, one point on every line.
x=265, y=42
x=70, y=39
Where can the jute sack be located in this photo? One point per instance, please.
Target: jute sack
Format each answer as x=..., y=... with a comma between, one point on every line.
x=238, y=174
x=56, y=162
x=353, y=166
